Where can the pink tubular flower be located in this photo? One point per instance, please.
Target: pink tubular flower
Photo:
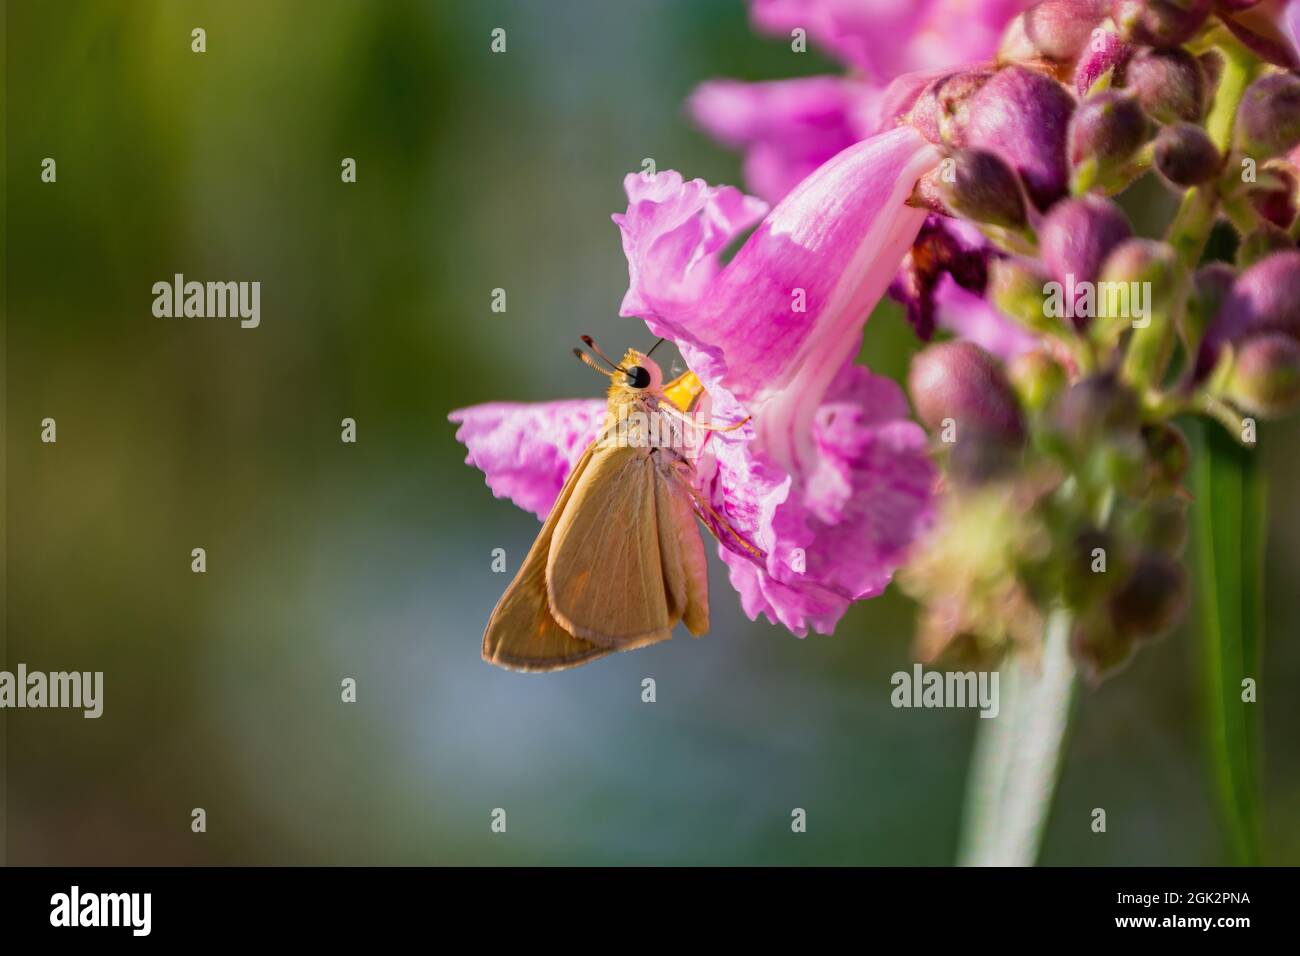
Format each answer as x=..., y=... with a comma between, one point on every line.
x=789, y=127
x=786, y=128
x=830, y=480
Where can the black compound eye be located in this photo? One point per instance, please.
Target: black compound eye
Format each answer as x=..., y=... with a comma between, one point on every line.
x=638, y=377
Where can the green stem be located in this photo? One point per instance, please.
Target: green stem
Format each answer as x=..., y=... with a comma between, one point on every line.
x=1239, y=66
x=1017, y=754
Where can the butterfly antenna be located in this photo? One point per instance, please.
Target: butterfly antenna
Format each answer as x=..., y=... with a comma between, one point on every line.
x=591, y=344
x=655, y=346
x=591, y=363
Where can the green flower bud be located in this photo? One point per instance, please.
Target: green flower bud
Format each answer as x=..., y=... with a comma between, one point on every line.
x=1148, y=272
x=1264, y=240
x=1186, y=156
x=1265, y=376
x=1017, y=288
x=1096, y=407
x=982, y=187
x=1037, y=378
x=1268, y=122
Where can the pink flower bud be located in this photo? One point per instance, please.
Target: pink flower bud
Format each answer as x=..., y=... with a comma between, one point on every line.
x=1185, y=155
x=1108, y=128
x=1275, y=196
x=1265, y=379
x=1110, y=53
x=1153, y=598
x=939, y=113
x=1077, y=235
x=1022, y=116
x=959, y=381
x=983, y=188
x=1159, y=23
x=1268, y=122
x=1169, y=84
x=1061, y=29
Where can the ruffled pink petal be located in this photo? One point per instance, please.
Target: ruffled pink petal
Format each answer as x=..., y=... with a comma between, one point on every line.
x=526, y=451
x=787, y=128
x=673, y=232
x=838, y=536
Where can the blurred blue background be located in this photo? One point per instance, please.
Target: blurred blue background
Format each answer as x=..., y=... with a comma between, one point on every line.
x=373, y=561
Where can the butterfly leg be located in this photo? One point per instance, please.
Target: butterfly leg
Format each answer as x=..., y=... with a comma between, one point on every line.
x=681, y=472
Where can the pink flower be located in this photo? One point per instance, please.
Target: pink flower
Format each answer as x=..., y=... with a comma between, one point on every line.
x=787, y=128
x=1270, y=28
x=830, y=480
x=886, y=38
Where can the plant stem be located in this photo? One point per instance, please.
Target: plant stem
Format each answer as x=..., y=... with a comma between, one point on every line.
x=1017, y=754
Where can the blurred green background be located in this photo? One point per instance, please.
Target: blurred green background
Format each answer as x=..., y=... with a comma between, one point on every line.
x=372, y=561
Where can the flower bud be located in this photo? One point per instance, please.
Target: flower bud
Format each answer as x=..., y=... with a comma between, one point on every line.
x=1185, y=155
x=1265, y=298
x=1265, y=378
x=983, y=188
x=1274, y=198
x=1097, y=406
x=1060, y=29
x=1099, y=650
x=1083, y=583
x=1162, y=524
x=961, y=382
x=1159, y=23
x=1139, y=279
x=1169, y=84
x=1143, y=260
x=1153, y=598
x=1168, y=451
x=1105, y=131
x=1023, y=116
x=1017, y=287
x=1210, y=287
x=1268, y=122
x=1105, y=52
x=1037, y=378
x=940, y=113
x=1077, y=235
x=1262, y=241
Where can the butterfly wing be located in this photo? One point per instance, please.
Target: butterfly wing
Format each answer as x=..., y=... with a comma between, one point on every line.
x=681, y=551
x=616, y=576
x=521, y=633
